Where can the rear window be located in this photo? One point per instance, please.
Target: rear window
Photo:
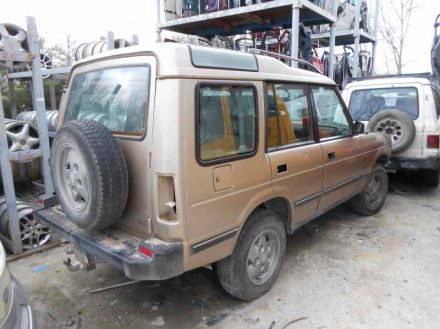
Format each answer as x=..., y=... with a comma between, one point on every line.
x=366, y=103
x=116, y=97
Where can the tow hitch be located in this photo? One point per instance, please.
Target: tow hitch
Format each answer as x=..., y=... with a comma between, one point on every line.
x=82, y=261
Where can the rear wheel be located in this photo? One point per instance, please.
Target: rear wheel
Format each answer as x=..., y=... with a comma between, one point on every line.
x=372, y=198
x=257, y=258
x=430, y=177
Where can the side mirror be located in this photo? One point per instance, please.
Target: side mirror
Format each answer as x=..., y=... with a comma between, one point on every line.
x=358, y=128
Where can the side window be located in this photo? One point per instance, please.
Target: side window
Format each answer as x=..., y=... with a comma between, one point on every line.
x=288, y=115
x=332, y=120
x=227, y=120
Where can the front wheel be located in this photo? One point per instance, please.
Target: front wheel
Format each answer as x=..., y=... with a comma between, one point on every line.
x=372, y=198
x=257, y=259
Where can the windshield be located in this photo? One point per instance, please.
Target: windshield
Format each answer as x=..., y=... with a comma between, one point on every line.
x=116, y=97
x=366, y=103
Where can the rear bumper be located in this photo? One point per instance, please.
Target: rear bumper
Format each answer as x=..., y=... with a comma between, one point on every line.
x=120, y=249
x=413, y=164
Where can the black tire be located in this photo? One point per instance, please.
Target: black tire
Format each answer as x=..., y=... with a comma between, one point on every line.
x=396, y=124
x=430, y=177
x=103, y=173
x=360, y=203
x=232, y=270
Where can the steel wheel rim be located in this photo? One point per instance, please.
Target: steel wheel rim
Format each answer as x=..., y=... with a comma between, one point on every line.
x=74, y=177
x=374, y=191
x=262, y=257
x=33, y=233
x=392, y=127
x=20, y=137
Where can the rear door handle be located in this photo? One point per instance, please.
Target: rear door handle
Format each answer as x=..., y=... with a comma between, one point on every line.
x=331, y=156
x=282, y=168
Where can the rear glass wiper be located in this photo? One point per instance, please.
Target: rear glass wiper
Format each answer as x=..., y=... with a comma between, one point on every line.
x=112, y=96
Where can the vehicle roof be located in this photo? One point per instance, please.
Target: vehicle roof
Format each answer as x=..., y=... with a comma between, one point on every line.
x=174, y=60
x=384, y=82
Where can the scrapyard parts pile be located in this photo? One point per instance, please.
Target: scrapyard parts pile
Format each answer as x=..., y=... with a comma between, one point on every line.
x=33, y=233
x=31, y=116
x=22, y=136
x=93, y=48
x=12, y=39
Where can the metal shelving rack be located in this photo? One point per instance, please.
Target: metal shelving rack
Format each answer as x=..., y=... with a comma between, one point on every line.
x=256, y=18
x=268, y=15
x=14, y=242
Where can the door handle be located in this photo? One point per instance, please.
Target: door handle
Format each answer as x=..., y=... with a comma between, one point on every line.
x=331, y=156
x=281, y=168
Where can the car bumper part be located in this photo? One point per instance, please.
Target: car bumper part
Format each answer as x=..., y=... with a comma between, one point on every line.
x=163, y=260
x=428, y=163
x=20, y=316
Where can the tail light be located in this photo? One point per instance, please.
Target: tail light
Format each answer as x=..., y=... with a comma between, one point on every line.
x=146, y=251
x=433, y=141
x=166, y=198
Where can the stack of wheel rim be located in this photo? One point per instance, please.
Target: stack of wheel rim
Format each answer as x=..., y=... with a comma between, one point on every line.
x=21, y=135
x=93, y=48
x=14, y=39
x=46, y=64
x=31, y=116
x=33, y=234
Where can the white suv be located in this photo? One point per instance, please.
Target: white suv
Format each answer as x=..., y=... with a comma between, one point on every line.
x=407, y=108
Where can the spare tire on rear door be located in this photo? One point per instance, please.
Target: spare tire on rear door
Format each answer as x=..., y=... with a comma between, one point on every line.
x=89, y=174
x=396, y=124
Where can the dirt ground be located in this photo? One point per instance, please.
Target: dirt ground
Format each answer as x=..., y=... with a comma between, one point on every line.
x=340, y=271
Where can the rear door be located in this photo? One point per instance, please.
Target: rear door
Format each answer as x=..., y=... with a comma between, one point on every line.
x=295, y=157
x=119, y=93
x=227, y=170
x=342, y=151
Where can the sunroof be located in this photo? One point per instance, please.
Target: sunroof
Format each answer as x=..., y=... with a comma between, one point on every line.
x=212, y=58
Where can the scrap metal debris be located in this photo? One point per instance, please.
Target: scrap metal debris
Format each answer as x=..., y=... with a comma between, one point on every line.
x=114, y=286
x=216, y=319
x=293, y=321
x=40, y=269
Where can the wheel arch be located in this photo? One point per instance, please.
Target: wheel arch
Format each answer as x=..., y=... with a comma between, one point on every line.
x=280, y=205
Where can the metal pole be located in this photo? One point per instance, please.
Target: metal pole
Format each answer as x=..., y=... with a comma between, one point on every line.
x=134, y=39
x=8, y=187
x=331, y=60
x=294, y=34
x=12, y=103
x=110, y=40
x=159, y=20
x=376, y=26
x=53, y=96
x=357, y=36
x=40, y=106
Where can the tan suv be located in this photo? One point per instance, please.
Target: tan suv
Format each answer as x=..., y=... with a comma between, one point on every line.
x=176, y=157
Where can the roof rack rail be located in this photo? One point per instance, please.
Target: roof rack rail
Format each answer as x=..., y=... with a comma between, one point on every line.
x=285, y=57
x=426, y=75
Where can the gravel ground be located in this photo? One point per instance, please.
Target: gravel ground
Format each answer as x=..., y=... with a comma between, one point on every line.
x=340, y=271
